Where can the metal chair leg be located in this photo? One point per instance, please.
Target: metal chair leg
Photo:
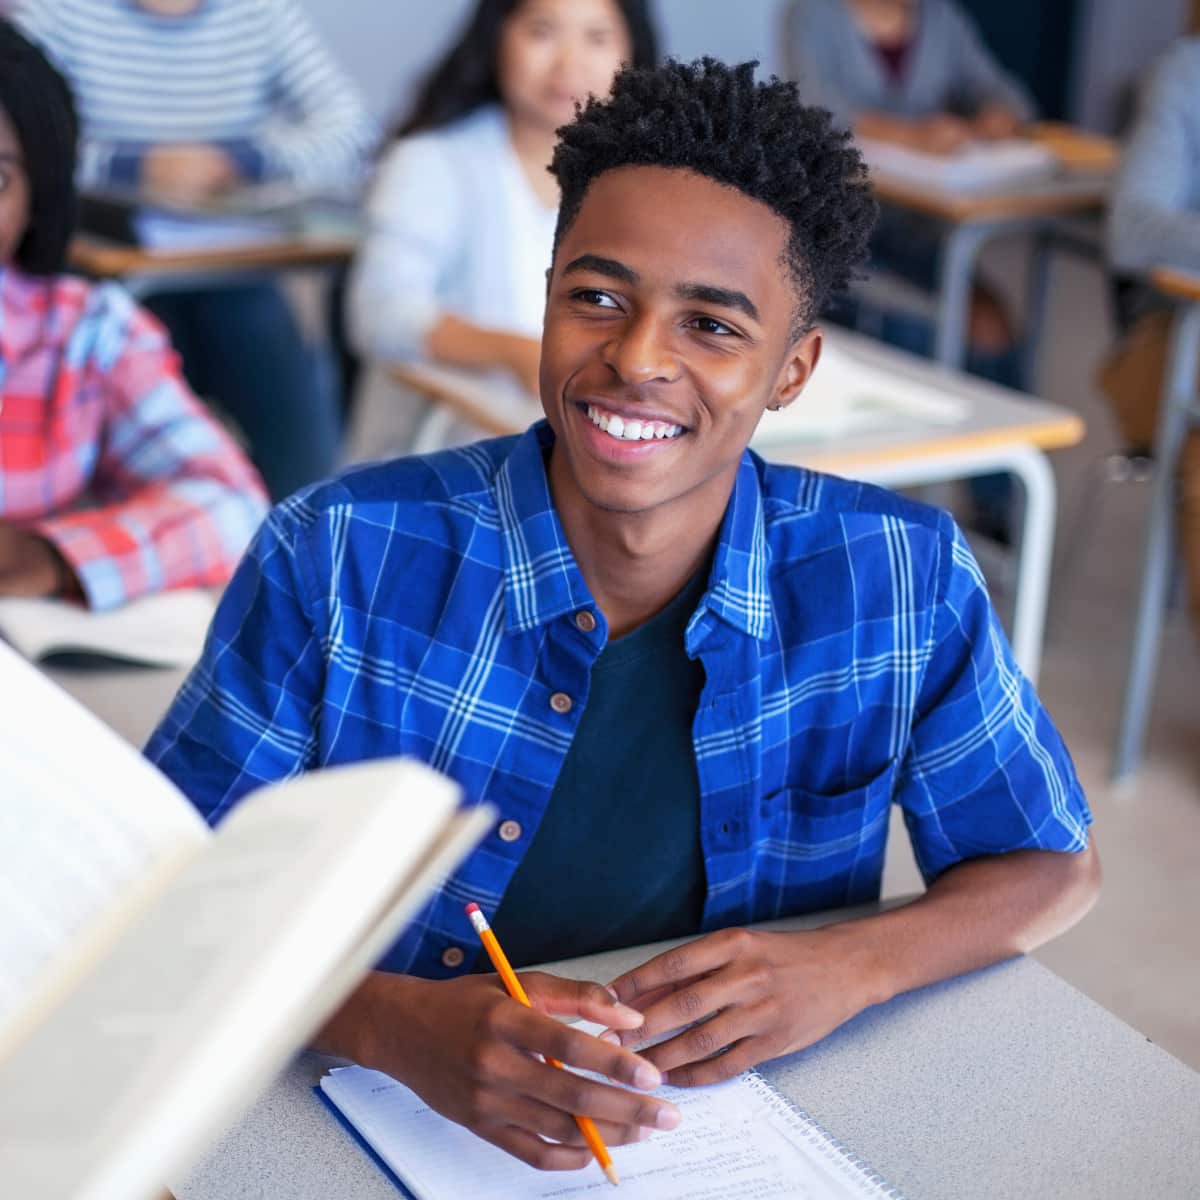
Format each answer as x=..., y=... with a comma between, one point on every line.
x=1178, y=412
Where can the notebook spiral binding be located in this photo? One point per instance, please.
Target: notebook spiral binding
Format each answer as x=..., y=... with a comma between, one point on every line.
x=841, y=1157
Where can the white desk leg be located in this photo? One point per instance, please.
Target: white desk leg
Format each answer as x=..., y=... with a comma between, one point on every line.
x=960, y=252
x=1033, y=469
x=1178, y=405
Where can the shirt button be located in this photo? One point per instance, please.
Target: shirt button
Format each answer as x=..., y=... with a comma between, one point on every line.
x=560, y=702
x=452, y=957
x=585, y=621
x=509, y=831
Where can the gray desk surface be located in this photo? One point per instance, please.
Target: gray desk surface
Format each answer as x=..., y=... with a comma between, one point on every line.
x=130, y=699
x=1004, y=1083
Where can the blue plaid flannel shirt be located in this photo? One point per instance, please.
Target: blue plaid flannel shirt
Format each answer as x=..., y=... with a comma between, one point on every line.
x=428, y=607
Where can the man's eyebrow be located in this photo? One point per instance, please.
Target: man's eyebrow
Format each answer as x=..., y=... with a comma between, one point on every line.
x=708, y=293
x=601, y=266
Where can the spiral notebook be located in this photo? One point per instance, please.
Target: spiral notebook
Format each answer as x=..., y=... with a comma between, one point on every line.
x=739, y=1140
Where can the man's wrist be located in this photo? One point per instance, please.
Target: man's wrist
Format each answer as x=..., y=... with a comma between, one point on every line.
x=358, y=1029
x=862, y=947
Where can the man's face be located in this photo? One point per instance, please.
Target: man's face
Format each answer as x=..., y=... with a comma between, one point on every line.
x=668, y=332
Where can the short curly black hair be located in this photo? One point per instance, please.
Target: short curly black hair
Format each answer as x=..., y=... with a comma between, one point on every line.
x=714, y=119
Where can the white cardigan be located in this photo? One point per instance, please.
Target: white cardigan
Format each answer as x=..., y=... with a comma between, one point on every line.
x=453, y=227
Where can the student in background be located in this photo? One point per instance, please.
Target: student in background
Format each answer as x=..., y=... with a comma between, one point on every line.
x=916, y=72
x=463, y=208
x=1154, y=220
x=191, y=98
x=92, y=408
x=691, y=683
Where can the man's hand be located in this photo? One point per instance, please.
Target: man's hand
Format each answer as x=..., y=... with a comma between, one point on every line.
x=188, y=172
x=994, y=121
x=31, y=566
x=747, y=996
x=470, y=1051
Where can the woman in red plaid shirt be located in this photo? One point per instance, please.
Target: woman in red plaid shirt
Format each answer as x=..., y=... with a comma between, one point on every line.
x=114, y=482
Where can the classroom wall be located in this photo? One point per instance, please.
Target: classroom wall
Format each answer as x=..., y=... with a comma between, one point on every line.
x=388, y=45
x=1119, y=42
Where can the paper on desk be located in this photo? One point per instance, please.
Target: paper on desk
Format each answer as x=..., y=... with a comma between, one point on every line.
x=738, y=1140
x=979, y=166
x=849, y=394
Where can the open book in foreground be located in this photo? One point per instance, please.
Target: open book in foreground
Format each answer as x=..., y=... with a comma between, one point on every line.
x=165, y=630
x=154, y=975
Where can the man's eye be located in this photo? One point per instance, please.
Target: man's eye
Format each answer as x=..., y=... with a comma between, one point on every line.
x=595, y=297
x=710, y=325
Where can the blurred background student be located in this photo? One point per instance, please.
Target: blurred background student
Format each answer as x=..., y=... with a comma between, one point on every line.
x=463, y=208
x=92, y=408
x=1154, y=221
x=191, y=98
x=917, y=73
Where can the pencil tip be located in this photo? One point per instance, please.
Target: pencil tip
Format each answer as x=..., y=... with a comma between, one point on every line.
x=611, y=1172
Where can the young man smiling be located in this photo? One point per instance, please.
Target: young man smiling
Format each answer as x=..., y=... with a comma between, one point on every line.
x=691, y=683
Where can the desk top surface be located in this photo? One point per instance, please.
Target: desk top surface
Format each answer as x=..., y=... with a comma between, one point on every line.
x=1183, y=285
x=991, y=415
x=103, y=259
x=1005, y=1082
x=1068, y=196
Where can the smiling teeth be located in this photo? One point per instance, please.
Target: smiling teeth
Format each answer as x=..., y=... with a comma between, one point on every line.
x=631, y=431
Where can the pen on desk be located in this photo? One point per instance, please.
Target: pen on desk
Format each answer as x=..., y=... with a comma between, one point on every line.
x=509, y=978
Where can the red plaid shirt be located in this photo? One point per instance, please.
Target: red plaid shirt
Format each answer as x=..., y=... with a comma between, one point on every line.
x=104, y=450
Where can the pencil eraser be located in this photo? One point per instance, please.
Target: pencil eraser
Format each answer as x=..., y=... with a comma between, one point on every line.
x=472, y=908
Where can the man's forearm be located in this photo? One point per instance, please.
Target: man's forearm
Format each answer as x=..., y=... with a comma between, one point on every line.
x=977, y=913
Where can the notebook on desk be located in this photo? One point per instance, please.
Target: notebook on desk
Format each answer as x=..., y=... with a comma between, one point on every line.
x=739, y=1140
x=978, y=167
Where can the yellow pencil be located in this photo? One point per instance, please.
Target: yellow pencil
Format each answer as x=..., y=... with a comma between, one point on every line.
x=509, y=977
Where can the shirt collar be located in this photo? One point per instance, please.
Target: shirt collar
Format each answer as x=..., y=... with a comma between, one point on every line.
x=543, y=581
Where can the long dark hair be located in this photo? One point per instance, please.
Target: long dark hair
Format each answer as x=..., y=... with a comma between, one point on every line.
x=465, y=79
x=39, y=106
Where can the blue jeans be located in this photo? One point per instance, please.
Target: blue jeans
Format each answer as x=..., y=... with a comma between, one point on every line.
x=242, y=349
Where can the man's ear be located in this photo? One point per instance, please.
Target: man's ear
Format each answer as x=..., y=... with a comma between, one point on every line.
x=801, y=361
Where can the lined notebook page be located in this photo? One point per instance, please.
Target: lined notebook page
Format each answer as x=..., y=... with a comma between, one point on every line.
x=739, y=1140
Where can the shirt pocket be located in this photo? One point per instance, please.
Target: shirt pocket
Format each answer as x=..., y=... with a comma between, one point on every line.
x=831, y=823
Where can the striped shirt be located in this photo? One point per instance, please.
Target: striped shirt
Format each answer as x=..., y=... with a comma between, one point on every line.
x=105, y=452
x=432, y=607
x=249, y=75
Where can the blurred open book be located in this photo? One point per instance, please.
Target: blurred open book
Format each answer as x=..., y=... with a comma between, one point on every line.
x=155, y=975
x=979, y=166
x=163, y=630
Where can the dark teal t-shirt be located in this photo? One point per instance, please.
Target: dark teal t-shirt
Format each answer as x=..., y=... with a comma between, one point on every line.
x=616, y=860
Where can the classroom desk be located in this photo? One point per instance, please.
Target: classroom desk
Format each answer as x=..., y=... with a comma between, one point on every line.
x=1050, y=211
x=1002, y=431
x=1180, y=410
x=1006, y=1082
x=144, y=272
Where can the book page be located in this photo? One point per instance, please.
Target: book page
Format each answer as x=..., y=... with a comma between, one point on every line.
x=84, y=819
x=738, y=1140
x=166, y=629
x=212, y=987
x=1003, y=165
